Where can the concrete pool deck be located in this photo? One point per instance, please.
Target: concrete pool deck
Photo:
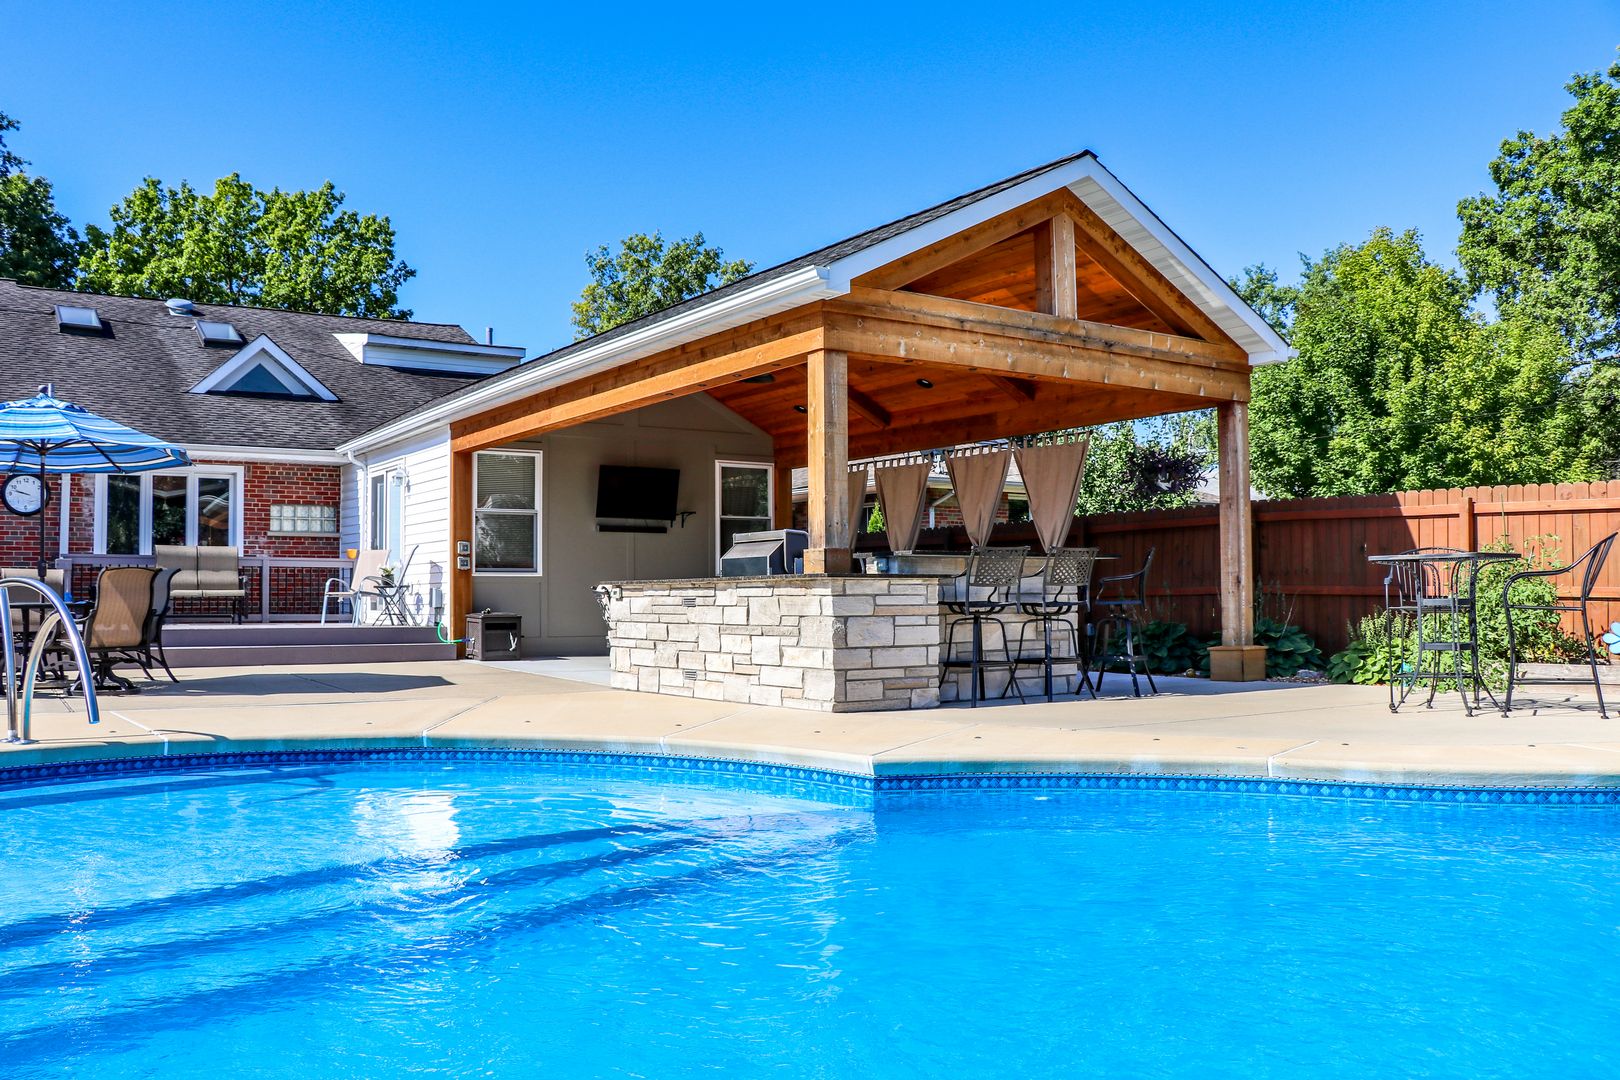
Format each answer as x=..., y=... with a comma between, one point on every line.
x=1315, y=732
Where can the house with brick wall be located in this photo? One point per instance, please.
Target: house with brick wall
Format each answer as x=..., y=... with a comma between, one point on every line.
x=259, y=398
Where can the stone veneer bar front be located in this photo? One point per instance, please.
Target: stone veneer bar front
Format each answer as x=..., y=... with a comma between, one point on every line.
x=832, y=644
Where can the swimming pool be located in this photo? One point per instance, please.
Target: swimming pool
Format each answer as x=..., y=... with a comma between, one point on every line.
x=368, y=920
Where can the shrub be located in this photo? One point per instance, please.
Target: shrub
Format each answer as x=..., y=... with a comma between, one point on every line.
x=1289, y=649
x=1367, y=658
x=1168, y=647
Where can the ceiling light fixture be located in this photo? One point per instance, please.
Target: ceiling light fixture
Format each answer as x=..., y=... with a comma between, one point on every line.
x=800, y=408
x=925, y=384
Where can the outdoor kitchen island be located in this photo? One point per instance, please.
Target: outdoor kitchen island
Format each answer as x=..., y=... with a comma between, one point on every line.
x=829, y=643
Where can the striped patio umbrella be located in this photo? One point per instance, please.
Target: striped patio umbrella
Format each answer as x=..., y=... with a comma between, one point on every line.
x=44, y=434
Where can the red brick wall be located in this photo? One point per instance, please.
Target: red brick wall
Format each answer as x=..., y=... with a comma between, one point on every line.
x=264, y=483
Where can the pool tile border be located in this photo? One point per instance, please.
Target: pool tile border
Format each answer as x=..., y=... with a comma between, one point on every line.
x=846, y=782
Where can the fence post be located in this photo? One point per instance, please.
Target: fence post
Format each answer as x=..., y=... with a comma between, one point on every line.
x=264, y=588
x=1470, y=524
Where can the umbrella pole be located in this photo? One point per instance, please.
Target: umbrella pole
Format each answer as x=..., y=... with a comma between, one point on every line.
x=44, y=493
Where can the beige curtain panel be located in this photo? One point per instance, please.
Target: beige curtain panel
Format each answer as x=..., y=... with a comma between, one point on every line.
x=902, y=490
x=979, y=480
x=1052, y=476
x=857, y=498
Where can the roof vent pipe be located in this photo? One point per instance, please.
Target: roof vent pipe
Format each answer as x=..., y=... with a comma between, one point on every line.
x=489, y=335
x=179, y=306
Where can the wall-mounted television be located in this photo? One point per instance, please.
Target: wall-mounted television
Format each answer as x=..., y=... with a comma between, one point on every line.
x=634, y=493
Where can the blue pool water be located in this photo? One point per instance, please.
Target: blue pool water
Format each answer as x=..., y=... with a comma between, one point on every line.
x=513, y=920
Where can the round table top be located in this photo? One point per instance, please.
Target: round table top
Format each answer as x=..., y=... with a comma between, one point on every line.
x=1444, y=556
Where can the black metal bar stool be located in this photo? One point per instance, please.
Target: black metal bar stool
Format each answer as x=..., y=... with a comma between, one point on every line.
x=983, y=592
x=1065, y=570
x=1122, y=600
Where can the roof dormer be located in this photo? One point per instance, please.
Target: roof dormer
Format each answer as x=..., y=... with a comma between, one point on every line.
x=264, y=369
x=420, y=354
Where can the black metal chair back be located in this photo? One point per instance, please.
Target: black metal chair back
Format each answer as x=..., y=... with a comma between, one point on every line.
x=1128, y=590
x=1591, y=566
x=1414, y=585
x=1064, y=570
x=993, y=571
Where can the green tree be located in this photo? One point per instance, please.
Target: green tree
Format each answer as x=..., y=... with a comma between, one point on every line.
x=37, y=245
x=645, y=276
x=1146, y=465
x=298, y=250
x=9, y=162
x=1398, y=384
x=1546, y=244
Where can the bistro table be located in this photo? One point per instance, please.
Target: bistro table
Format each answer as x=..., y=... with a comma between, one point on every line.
x=38, y=611
x=1434, y=590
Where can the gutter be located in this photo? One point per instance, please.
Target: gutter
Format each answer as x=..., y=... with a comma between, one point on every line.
x=218, y=451
x=767, y=298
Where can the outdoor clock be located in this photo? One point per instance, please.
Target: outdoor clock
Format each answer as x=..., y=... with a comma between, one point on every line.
x=25, y=495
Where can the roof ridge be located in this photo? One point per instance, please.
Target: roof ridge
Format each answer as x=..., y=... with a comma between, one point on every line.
x=242, y=307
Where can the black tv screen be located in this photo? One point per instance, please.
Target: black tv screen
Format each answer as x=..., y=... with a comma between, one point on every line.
x=635, y=493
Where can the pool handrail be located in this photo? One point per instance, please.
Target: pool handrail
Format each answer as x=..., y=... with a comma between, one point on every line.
x=20, y=731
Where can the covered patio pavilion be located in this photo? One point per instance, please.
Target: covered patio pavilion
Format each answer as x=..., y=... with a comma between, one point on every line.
x=1050, y=301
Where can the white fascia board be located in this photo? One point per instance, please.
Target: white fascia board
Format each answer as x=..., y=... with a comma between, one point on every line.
x=291, y=456
x=490, y=357
x=767, y=298
x=845, y=270
x=248, y=355
x=1218, y=297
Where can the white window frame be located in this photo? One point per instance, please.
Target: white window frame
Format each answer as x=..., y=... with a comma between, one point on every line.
x=539, y=528
x=720, y=465
x=236, y=474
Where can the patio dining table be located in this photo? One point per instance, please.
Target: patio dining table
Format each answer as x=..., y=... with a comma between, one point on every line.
x=1435, y=590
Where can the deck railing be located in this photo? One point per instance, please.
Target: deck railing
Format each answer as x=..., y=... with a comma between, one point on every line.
x=279, y=588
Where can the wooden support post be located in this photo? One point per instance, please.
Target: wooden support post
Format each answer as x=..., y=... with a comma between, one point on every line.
x=459, y=601
x=828, y=422
x=1056, y=291
x=782, y=497
x=1237, y=658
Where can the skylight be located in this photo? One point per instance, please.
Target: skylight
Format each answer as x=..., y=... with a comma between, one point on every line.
x=74, y=317
x=217, y=333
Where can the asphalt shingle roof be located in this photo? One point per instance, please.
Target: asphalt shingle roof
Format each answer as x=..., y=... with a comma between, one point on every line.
x=820, y=257
x=139, y=374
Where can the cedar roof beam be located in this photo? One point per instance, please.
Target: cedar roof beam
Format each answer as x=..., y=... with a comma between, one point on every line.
x=1141, y=278
x=767, y=346
x=1020, y=391
x=863, y=405
x=910, y=327
x=970, y=241
x=1056, y=290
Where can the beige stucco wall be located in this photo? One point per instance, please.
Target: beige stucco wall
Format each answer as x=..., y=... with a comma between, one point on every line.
x=560, y=611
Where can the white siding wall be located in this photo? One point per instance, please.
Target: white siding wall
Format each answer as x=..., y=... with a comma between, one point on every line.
x=349, y=508
x=425, y=462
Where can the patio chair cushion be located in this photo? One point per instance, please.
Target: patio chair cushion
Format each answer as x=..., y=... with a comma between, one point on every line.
x=56, y=579
x=123, y=607
x=201, y=571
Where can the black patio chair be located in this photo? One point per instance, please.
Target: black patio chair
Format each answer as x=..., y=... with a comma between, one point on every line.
x=983, y=592
x=1122, y=601
x=1060, y=604
x=1591, y=566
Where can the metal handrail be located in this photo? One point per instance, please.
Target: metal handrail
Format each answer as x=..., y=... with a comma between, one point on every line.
x=19, y=731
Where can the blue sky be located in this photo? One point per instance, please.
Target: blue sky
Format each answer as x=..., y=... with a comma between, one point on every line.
x=504, y=140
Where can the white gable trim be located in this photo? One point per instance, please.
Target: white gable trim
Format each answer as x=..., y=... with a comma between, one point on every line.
x=1084, y=176
x=261, y=351
x=423, y=355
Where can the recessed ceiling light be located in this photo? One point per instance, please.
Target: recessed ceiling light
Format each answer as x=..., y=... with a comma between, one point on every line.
x=925, y=384
x=800, y=408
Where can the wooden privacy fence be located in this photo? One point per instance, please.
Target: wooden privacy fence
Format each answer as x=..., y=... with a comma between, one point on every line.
x=1311, y=554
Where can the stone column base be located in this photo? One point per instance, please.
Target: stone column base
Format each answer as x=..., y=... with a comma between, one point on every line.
x=1237, y=663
